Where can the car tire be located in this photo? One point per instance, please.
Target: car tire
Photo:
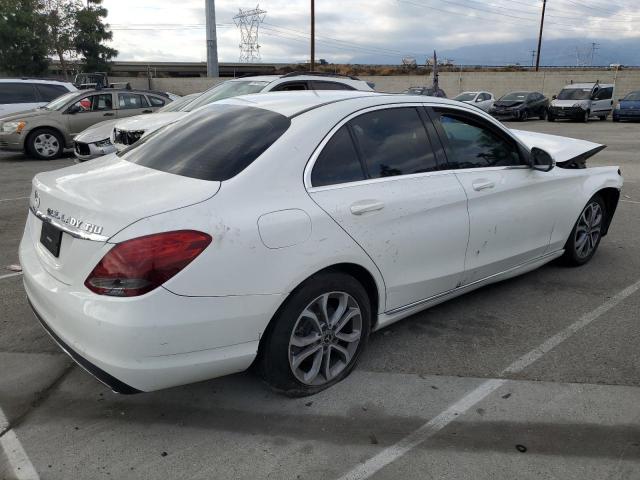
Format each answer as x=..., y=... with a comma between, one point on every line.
x=305, y=350
x=544, y=115
x=523, y=116
x=45, y=144
x=615, y=119
x=585, y=117
x=586, y=233
x=550, y=118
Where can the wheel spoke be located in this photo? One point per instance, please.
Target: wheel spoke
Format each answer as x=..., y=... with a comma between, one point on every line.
x=302, y=356
x=345, y=319
x=313, y=317
x=340, y=309
x=324, y=308
x=311, y=375
x=343, y=352
x=354, y=336
x=298, y=341
x=327, y=363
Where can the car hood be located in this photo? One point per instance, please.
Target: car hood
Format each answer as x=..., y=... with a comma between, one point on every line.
x=507, y=103
x=149, y=122
x=35, y=112
x=624, y=104
x=564, y=150
x=97, y=132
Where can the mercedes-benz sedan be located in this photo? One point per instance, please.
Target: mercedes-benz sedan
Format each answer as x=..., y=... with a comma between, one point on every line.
x=281, y=229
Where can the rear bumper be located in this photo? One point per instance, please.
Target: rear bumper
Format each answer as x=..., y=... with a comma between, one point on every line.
x=147, y=343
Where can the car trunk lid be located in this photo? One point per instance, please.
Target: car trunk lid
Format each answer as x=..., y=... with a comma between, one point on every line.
x=91, y=202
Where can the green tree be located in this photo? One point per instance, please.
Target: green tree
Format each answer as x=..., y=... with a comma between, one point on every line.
x=61, y=18
x=92, y=32
x=23, y=34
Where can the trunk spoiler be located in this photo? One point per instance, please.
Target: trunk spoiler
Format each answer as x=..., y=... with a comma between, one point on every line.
x=567, y=152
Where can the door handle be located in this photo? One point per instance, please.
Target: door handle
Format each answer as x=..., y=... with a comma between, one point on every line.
x=111, y=114
x=482, y=185
x=365, y=206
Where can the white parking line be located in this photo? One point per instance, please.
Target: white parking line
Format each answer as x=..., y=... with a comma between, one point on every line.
x=19, y=462
x=12, y=199
x=629, y=201
x=9, y=275
x=392, y=453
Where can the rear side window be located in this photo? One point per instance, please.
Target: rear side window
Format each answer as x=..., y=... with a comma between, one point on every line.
x=156, y=102
x=338, y=162
x=213, y=143
x=393, y=142
x=316, y=85
x=50, y=92
x=131, y=100
x=17, y=93
x=291, y=86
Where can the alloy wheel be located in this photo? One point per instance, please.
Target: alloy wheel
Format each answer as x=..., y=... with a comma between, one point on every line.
x=325, y=338
x=46, y=145
x=588, y=230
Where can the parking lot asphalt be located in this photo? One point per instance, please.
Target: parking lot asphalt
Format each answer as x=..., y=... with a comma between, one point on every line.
x=534, y=377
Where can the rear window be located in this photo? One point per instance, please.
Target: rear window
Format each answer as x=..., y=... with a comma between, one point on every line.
x=214, y=143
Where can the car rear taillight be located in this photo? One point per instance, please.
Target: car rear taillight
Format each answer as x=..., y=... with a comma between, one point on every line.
x=137, y=266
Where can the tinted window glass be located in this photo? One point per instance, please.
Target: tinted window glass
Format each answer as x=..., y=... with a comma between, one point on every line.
x=156, y=102
x=604, y=94
x=50, y=92
x=17, y=93
x=472, y=145
x=338, y=162
x=393, y=142
x=330, y=86
x=214, y=143
x=93, y=103
x=131, y=100
x=291, y=86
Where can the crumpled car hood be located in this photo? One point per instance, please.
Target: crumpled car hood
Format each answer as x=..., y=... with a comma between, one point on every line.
x=564, y=150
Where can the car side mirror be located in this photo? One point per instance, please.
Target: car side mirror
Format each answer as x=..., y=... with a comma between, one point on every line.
x=554, y=97
x=541, y=160
x=73, y=109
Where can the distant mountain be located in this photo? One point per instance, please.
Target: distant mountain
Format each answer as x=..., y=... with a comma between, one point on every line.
x=561, y=52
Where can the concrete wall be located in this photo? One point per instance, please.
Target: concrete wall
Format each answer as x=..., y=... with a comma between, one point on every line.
x=547, y=82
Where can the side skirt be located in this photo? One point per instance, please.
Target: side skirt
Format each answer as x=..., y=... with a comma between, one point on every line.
x=392, y=316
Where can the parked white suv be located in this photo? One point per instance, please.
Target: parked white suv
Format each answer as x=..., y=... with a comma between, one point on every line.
x=130, y=131
x=580, y=101
x=20, y=94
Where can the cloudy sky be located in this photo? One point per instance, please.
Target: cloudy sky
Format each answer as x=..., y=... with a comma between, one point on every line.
x=366, y=31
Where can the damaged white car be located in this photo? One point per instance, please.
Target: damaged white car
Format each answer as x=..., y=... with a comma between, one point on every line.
x=282, y=229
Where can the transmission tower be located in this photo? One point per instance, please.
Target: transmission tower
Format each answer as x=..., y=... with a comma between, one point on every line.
x=248, y=21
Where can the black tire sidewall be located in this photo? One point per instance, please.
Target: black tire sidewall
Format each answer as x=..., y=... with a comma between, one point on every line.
x=274, y=355
x=31, y=138
x=570, y=257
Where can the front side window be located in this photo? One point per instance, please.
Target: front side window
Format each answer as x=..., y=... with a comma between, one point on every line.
x=472, y=145
x=338, y=162
x=214, y=143
x=93, y=103
x=604, y=94
x=131, y=100
x=17, y=93
x=393, y=142
x=156, y=101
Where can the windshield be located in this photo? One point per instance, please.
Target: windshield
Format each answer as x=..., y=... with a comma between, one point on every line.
x=574, y=94
x=633, y=96
x=465, y=97
x=515, y=97
x=60, y=101
x=232, y=88
x=178, y=104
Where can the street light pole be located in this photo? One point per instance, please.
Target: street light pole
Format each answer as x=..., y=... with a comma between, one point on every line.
x=212, y=41
x=312, y=65
x=544, y=7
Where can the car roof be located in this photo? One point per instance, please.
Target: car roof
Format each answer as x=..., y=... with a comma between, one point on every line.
x=291, y=104
x=34, y=80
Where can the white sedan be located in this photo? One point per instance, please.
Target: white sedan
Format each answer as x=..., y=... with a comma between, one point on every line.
x=482, y=100
x=282, y=229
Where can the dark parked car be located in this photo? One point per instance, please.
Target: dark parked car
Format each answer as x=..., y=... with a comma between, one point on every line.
x=520, y=106
x=628, y=108
x=428, y=91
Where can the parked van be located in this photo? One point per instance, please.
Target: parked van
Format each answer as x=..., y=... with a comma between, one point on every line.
x=581, y=101
x=20, y=94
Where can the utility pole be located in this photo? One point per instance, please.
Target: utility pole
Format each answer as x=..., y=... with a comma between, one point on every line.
x=533, y=57
x=312, y=64
x=544, y=7
x=594, y=47
x=212, y=41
